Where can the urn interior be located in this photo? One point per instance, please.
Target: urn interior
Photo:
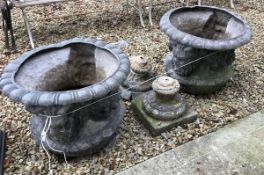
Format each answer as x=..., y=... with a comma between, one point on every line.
x=207, y=23
x=73, y=66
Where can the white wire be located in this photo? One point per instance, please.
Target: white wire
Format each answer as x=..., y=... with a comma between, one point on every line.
x=49, y=118
x=56, y=150
x=43, y=138
x=90, y=104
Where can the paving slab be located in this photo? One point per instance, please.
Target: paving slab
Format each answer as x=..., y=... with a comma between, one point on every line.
x=236, y=149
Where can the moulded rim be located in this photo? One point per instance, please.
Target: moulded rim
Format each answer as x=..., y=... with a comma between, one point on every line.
x=203, y=43
x=100, y=89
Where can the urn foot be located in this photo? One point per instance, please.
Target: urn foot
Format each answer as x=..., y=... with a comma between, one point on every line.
x=92, y=136
x=204, y=81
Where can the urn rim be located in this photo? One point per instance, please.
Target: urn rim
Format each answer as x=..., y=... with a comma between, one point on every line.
x=202, y=43
x=100, y=89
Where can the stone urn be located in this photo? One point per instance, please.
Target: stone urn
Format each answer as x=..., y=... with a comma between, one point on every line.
x=163, y=107
x=139, y=80
x=202, y=41
x=74, y=84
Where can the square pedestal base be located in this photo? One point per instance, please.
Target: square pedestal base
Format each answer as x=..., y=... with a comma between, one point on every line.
x=155, y=126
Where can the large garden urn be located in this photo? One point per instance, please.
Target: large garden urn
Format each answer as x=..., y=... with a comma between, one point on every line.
x=71, y=88
x=202, y=42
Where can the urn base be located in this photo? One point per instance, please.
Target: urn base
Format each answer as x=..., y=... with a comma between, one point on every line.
x=92, y=136
x=203, y=80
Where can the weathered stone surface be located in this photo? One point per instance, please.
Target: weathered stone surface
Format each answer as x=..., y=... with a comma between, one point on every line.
x=139, y=80
x=203, y=80
x=163, y=108
x=155, y=126
x=203, y=40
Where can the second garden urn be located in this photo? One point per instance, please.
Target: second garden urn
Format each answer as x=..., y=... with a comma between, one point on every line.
x=202, y=41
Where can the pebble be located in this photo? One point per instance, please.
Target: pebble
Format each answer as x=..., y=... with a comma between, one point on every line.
x=165, y=135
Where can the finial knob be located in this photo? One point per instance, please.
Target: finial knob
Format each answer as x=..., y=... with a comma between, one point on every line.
x=163, y=103
x=140, y=65
x=166, y=86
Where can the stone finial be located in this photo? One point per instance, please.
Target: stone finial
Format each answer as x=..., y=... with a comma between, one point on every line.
x=163, y=102
x=166, y=86
x=140, y=64
x=163, y=108
x=139, y=79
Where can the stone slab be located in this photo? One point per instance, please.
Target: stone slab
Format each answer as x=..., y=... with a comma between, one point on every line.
x=155, y=126
x=236, y=149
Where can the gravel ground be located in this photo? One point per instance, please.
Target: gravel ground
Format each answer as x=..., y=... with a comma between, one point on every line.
x=241, y=97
